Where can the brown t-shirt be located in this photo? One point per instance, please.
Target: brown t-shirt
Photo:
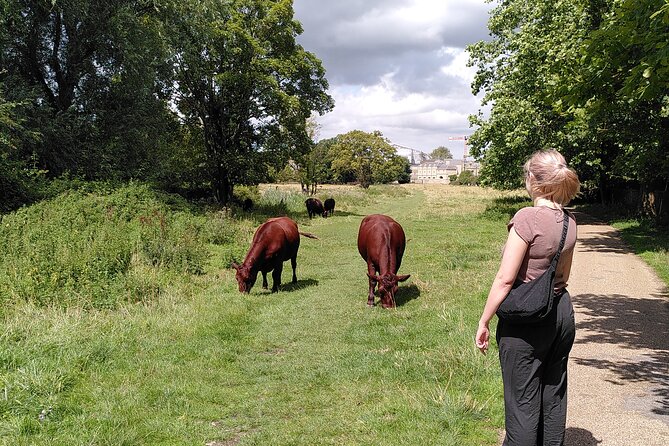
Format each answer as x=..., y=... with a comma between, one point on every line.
x=541, y=228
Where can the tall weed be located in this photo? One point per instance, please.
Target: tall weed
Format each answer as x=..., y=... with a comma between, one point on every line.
x=82, y=248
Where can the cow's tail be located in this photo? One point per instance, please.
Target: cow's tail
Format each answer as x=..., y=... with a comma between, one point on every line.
x=307, y=234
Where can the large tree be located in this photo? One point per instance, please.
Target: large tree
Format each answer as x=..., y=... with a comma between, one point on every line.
x=242, y=77
x=366, y=158
x=441, y=153
x=93, y=71
x=534, y=47
x=580, y=75
x=620, y=96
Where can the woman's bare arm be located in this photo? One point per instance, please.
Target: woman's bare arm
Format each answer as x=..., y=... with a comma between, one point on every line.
x=514, y=253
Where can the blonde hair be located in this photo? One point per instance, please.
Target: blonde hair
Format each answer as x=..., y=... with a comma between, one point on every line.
x=548, y=176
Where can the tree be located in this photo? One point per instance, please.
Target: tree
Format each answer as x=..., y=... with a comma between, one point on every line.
x=534, y=47
x=17, y=185
x=442, y=153
x=624, y=67
x=404, y=175
x=93, y=72
x=366, y=158
x=244, y=79
x=311, y=165
x=466, y=178
x=582, y=76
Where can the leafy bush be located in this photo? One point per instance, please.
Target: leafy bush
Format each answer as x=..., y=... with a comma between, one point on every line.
x=242, y=192
x=466, y=178
x=84, y=249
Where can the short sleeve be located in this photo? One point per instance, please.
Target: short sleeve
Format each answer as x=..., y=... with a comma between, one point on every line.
x=523, y=223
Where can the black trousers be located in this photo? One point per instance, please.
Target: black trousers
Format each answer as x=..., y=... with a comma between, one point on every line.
x=534, y=372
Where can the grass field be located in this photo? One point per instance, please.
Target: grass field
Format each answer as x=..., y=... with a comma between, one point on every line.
x=197, y=363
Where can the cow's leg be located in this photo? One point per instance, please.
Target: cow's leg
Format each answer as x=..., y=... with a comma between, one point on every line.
x=372, y=285
x=293, y=263
x=264, y=280
x=276, y=277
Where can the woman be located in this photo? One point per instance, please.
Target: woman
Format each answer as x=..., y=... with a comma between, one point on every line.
x=533, y=358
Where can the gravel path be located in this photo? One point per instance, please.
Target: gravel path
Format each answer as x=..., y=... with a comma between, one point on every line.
x=619, y=366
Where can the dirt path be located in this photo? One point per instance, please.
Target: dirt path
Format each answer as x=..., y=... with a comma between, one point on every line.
x=619, y=366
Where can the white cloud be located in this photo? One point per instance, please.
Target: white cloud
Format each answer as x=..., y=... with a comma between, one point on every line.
x=398, y=66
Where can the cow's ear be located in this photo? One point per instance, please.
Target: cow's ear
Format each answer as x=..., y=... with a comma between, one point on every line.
x=403, y=278
x=377, y=278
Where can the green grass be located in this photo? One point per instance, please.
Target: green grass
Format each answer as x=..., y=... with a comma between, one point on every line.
x=198, y=363
x=649, y=242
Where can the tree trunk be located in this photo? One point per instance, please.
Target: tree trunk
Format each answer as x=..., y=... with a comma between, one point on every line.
x=222, y=186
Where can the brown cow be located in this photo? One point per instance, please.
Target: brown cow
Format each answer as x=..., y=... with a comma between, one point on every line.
x=381, y=243
x=275, y=241
x=314, y=207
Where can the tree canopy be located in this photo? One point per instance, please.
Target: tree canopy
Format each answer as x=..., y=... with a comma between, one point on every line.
x=93, y=73
x=244, y=79
x=366, y=158
x=441, y=153
x=206, y=93
x=588, y=77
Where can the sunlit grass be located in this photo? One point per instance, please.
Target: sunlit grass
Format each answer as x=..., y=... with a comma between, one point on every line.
x=649, y=242
x=202, y=364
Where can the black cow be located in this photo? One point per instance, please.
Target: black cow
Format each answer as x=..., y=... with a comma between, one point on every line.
x=314, y=207
x=328, y=207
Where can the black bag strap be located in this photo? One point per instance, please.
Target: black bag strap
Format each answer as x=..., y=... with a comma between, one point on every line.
x=565, y=226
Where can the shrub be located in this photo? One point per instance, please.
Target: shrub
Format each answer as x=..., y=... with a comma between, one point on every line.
x=81, y=248
x=466, y=178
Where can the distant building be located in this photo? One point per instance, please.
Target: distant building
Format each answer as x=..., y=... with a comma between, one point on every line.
x=439, y=171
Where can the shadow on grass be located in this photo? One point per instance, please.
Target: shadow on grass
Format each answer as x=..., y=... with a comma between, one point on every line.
x=345, y=214
x=406, y=294
x=263, y=212
x=299, y=285
x=505, y=207
x=576, y=436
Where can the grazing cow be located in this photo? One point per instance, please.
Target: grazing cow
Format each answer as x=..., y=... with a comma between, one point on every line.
x=314, y=207
x=328, y=206
x=275, y=241
x=381, y=243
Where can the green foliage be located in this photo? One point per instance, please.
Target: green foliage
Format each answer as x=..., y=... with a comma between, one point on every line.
x=244, y=79
x=466, y=178
x=404, y=175
x=288, y=174
x=441, y=153
x=313, y=167
x=93, y=76
x=582, y=76
x=365, y=158
x=19, y=181
x=243, y=192
x=98, y=249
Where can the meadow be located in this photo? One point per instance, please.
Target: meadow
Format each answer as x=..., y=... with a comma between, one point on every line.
x=123, y=325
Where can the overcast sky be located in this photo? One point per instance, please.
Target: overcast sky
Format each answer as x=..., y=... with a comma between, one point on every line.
x=397, y=66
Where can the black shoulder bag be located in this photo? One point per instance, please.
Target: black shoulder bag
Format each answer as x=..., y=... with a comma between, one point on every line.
x=530, y=302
